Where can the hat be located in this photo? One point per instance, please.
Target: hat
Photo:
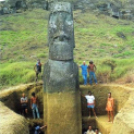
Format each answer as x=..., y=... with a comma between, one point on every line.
x=90, y=61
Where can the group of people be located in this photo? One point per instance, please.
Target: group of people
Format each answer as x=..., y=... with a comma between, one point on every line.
x=109, y=105
x=91, y=131
x=88, y=69
x=33, y=105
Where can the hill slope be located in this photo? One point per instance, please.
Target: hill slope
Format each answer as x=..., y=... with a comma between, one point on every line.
x=107, y=41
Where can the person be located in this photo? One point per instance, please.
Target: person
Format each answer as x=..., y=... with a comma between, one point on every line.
x=110, y=107
x=84, y=68
x=37, y=69
x=34, y=106
x=24, y=102
x=91, y=70
x=97, y=131
x=90, y=102
x=90, y=131
x=38, y=129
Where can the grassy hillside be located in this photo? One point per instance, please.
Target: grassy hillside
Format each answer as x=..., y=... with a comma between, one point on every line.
x=107, y=41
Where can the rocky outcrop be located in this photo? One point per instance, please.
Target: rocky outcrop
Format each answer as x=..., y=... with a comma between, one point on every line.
x=14, y=6
x=115, y=8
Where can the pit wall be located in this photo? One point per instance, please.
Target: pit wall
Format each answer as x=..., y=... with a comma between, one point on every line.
x=120, y=95
x=123, y=96
x=124, y=121
x=124, y=108
x=11, y=97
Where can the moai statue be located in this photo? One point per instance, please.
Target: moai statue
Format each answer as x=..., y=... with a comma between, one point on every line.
x=62, y=106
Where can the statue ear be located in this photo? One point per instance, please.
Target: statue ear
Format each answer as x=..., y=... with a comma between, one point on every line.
x=47, y=6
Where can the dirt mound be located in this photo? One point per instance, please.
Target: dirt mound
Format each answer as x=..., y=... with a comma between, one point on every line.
x=124, y=121
x=11, y=123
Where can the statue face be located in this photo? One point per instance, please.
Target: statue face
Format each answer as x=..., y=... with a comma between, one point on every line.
x=61, y=35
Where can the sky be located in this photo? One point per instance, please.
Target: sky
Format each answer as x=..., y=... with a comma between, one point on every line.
x=2, y=0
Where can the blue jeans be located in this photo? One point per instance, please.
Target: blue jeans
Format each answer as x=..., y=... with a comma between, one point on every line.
x=35, y=110
x=90, y=106
x=92, y=75
x=84, y=78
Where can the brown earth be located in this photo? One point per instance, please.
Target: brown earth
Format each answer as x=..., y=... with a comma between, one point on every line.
x=122, y=94
x=11, y=98
x=124, y=108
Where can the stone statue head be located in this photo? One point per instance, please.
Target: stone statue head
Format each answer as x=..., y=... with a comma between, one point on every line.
x=61, y=31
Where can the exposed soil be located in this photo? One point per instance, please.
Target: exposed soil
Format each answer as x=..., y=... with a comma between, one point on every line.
x=123, y=98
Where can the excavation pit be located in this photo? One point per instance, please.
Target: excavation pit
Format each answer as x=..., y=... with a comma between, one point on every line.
x=123, y=98
x=120, y=95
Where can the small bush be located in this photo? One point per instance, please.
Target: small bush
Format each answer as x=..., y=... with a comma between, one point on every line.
x=42, y=55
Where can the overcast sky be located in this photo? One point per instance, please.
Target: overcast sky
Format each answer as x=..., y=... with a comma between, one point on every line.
x=2, y=0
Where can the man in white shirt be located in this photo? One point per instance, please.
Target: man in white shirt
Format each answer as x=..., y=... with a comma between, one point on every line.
x=24, y=102
x=90, y=131
x=90, y=102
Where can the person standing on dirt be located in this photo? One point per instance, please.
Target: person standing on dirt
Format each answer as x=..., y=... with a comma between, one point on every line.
x=90, y=131
x=24, y=102
x=84, y=68
x=110, y=107
x=34, y=106
x=37, y=69
x=90, y=102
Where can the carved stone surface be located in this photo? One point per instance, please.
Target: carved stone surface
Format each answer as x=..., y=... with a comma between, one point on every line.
x=61, y=97
x=61, y=76
x=61, y=31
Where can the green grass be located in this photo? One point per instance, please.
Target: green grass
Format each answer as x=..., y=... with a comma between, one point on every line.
x=17, y=72
x=23, y=72
x=23, y=39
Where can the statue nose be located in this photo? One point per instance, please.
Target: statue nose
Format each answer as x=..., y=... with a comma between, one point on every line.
x=61, y=37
